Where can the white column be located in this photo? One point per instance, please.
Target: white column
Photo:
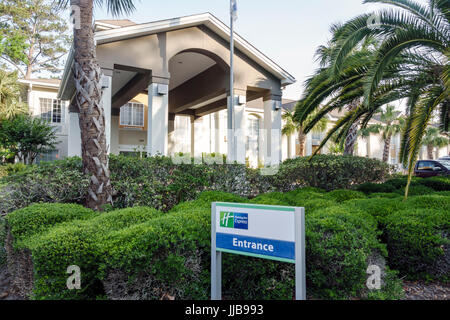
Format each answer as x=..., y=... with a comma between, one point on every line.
x=236, y=130
x=272, y=126
x=171, y=138
x=106, y=103
x=308, y=146
x=192, y=118
x=158, y=119
x=74, y=143
x=231, y=157
x=217, y=134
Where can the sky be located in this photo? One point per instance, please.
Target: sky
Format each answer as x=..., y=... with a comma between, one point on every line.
x=287, y=31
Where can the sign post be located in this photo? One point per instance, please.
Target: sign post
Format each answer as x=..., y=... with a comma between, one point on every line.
x=262, y=231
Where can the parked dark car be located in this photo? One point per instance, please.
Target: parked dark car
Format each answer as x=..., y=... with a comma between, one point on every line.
x=432, y=168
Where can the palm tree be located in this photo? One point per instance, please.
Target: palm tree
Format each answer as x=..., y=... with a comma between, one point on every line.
x=292, y=126
x=434, y=139
x=87, y=74
x=327, y=91
x=10, y=104
x=415, y=41
x=392, y=125
x=410, y=60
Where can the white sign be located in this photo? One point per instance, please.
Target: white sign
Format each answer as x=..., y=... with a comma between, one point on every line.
x=268, y=232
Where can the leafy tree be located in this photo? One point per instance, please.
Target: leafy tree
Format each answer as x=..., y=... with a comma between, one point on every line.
x=10, y=104
x=26, y=137
x=87, y=74
x=392, y=125
x=35, y=37
x=434, y=139
x=292, y=126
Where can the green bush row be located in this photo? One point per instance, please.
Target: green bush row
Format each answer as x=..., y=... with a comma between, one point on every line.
x=141, y=253
x=159, y=183
x=419, y=186
x=418, y=241
x=330, y=172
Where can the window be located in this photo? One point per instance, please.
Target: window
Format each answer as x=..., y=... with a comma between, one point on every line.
x=132, y=114
x=316, y=135
x=51, y=110
x=47, y=157
x=252, y=143
x=426, y=166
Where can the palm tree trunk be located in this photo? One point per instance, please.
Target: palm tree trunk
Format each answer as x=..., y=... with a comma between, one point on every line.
x=302, y=141
x=87, y=75
x=387, y=148
x=430, y=150
x=352, y=135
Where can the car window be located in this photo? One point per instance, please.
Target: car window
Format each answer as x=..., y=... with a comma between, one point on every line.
x=445, y=163
x=426, y=166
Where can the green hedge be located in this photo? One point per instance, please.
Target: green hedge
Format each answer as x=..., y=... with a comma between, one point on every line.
x=141, y=253
x=329, y=172
x=369, y=188
x=159, y=183
x=40, y=217
x=419, y=244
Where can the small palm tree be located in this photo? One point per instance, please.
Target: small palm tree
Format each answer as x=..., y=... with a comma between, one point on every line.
x=10, y=104
x=87, y=75
x=292, y=126
x=392, y=125
x=434, y=139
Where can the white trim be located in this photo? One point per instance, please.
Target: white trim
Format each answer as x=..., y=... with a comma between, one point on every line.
x=205, y=103
x=39, y=84
x=207, y=19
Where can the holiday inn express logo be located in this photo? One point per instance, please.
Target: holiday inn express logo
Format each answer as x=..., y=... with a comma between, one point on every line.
x=233, y=220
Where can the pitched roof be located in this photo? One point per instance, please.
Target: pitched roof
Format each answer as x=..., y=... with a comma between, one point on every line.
x=112, y=24
x=53, y=83
x=118, y=33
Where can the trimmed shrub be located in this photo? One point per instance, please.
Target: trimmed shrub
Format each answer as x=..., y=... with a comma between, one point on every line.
x=416, y=190
x=159, y=183
x=58, y=182
x=379, y=208
x=344, y=195
x=140, y=253
x=71, y=243
x=433, y=201
x=329, y=172
x=40, y=217
x=385, y=195
x=340, y=245
x=418, y=243
x=443, y=193
x=435, y=183
x=369, y=188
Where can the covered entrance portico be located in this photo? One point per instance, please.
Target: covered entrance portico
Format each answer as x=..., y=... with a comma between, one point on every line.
x=159, y=71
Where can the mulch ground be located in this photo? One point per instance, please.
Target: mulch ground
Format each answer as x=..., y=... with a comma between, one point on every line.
x=426, y=291
x=5, y=286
